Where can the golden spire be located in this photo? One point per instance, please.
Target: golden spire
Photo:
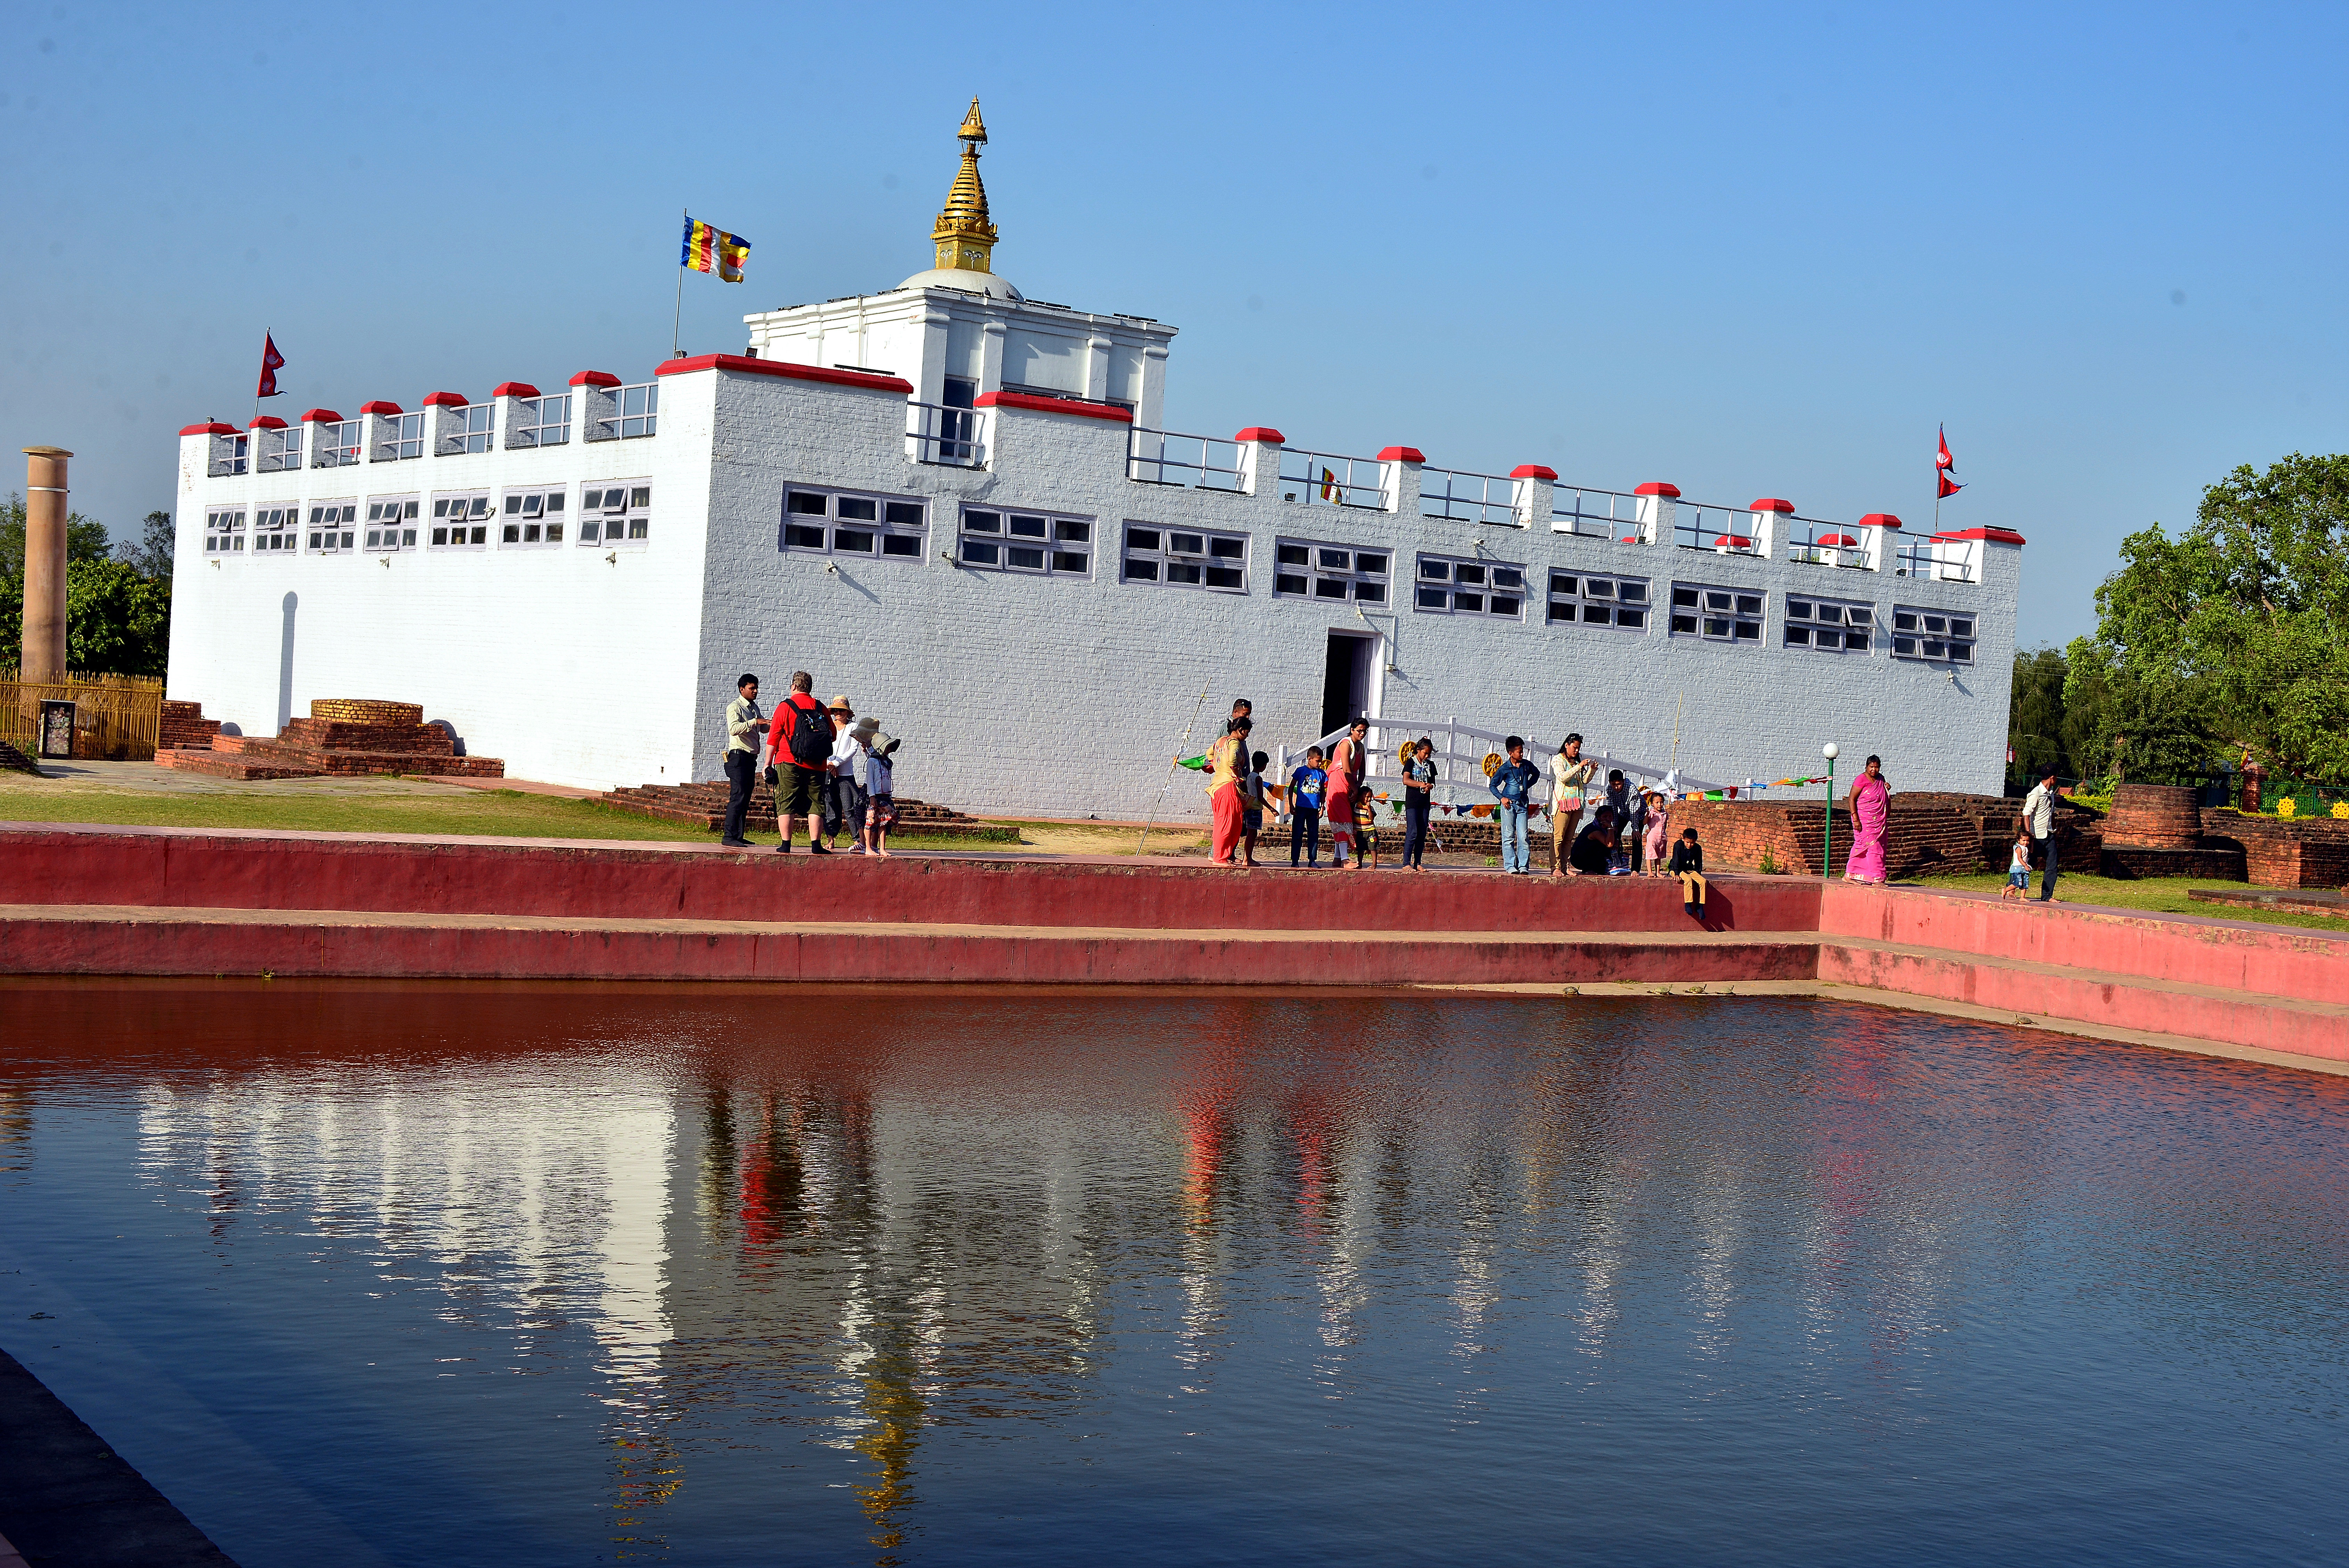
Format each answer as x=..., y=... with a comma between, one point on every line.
x=965, y=238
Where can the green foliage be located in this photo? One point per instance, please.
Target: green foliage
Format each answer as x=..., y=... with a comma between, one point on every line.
x=2035, y=713
x=151, y=556
x=2236, y=634
x=117, y=620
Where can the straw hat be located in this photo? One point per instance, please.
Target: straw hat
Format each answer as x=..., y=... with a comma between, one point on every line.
x=840, y=704
x=884, y=745
x=865, y=726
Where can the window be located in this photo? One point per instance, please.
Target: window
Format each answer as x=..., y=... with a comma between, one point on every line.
x=1828, y=626
x=403, y=436
x=228, y=456
x=616, y=514
x=333, y=525
x=336, y=445
x=636, y=411
x=873, y=527
x=1450, y=586
x=281, y=450
x=540, y=422
x=223, y=531
x=468, y=429
x=1307, y=569
x=1026, y=541
x=1931, y=634
x=1185, y=557
x=533, y=517
x=1716, y=615
x=276, y=527
x=461, y=520
x=1599, y=601
x=390, y=523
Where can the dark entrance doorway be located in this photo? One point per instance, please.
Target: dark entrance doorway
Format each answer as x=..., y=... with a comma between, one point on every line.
x=1346, y=687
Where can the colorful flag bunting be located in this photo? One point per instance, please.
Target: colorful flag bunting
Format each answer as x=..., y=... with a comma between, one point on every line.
x=271, y=362
x=733, y=256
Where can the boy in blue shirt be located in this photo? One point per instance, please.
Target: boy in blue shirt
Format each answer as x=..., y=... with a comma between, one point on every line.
x=1305, y=786
x=1512, y=782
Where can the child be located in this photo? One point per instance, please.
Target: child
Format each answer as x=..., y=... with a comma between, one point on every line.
x=2018, y=869
x=1305, y=786
x=1512, y=785
x=880, y=793
x=1252, y=804
x=1366, y=830
x=1418, y=795
x=1660, y=832
x=1688, y=864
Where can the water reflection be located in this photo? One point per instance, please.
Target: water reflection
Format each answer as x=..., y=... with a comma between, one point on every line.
x=1171, y=1240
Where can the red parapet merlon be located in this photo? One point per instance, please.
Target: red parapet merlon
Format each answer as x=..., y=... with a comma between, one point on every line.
x=322, y=417
x=1401, y=455
x=1260, y=435
x=1533, y=472
x=515, y=389
x=1035, y=404
x=446, y=400
x=212, y=428
x=784, y=369
x=595, y=378
x=267, y=422
x=1658, y=487
x=381, y=406
x=1995, y=535
x=1879, y=520
x=1772, y=503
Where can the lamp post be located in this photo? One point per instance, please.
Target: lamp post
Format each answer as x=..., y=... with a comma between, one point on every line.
x=1826, y=860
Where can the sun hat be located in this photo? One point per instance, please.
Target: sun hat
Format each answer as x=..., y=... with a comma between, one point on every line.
x=865, y=726
x=886, y=745
x=840, y=704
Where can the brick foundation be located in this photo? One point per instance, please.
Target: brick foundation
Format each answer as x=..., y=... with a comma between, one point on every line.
x=704, y=805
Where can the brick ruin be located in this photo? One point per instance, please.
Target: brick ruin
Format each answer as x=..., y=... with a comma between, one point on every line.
x=704, y=805
x=345, y=735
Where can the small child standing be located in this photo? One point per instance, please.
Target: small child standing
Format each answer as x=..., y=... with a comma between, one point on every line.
x=1306, y=784
x=880, y=793
x=1688, y=864
x=1252, y=805
x=1660, y=832
x=2018, y=869
x=1366, y=830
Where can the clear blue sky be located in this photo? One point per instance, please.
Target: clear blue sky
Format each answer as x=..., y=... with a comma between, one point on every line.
x=1753, y=250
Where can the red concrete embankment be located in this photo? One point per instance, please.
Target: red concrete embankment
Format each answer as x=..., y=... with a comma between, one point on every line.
x=193, y=868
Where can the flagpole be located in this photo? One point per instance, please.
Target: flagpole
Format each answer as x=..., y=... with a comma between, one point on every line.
x=676, y=320
x=268, y=335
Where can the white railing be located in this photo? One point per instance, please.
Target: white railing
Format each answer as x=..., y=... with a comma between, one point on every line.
x=1460, y=496
x=281, y=450
x=1722, y=530
x=540, y=421
x=1164, y=457
x=1325, y=479
x=467, y=430
x=1594, y=513
x=403, y=438
x=1934, y=560
x=636, y=411
x=228, y=456
x=336, y=445
x=955, y=437
x=1810, y=542
x=1459, y=753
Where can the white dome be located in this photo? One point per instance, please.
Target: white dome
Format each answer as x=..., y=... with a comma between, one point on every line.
x=969, y=281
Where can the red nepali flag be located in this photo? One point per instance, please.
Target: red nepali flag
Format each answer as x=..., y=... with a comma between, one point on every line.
x=271, y=363
x=1949, y=487
x=1945, y=462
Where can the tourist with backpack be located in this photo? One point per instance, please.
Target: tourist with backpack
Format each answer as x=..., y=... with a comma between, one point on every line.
x=801, y=744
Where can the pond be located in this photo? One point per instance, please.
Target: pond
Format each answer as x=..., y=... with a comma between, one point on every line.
x=517, y=1274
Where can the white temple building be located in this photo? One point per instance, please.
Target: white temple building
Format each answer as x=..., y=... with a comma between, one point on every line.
x=959, y=506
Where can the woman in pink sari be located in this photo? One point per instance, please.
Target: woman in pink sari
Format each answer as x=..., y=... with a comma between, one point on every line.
x=1349, y=761
x=1871, y=807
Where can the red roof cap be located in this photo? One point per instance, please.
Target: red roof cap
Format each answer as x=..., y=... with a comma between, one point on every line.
x=1995, y=535
x=515, y=389
x=380, y=407
x=1657, y=487
x=1737, y=541
x=446, y=400
x=1263, y=433
x=1772, y=503
x=1401, y=455
x=214, y=428
x=267, y=422
x=321, y=416
x=599, y=378
x=1054, y=406
x=1532, y=471
x=1879, y=520
x=1839, y=542
x=784, y=368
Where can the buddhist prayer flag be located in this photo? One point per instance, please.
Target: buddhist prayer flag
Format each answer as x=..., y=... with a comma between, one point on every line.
x=1329, y=485
x=733, y=254
x=700, y=252
x=271, y=362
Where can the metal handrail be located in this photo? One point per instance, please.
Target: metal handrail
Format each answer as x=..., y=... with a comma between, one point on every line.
x=1323, y=485
x=954, y=437
x=1705, y=527
x=337, y=444
x=1146, y=460
x=1459, y=495
x=1573, y=510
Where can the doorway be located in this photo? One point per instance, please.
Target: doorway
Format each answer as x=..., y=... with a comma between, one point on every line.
x=1346, y=684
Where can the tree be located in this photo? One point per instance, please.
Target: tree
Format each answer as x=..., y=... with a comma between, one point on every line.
x=117, y=612
x=2240, y=627
x=151, y=555
x=2035, y=713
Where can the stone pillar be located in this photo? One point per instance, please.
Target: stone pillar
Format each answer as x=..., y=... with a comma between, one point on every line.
x=1399, y=477
x=43, y=657
x=1259, y=461
x=1534, y=484
x=1771, y=518
x=1659, y=510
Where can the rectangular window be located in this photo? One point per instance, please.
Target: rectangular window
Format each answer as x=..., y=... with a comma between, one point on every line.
x=1185, y=557
x=334, y=526
x=469, y=429
x=533, y=517
x=1310, y=569
x=391, y=523
x=336, y=446
x=281, y=450
x=1828, y=626
x=224, y=531
x=1716, y=615
x=1918, y=633
x=461, y=521
x=276, y=527
x=612, y=514
x=860, y=527
x=540, y=422
x=1032, y=541
x=636, y=411
x=1449, y=585
x=1582, y=598
x=403, y=436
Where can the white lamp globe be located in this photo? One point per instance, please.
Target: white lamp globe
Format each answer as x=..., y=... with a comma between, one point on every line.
x=1829, y=751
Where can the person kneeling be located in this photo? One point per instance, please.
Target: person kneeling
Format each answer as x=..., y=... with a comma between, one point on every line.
x=1688, y=864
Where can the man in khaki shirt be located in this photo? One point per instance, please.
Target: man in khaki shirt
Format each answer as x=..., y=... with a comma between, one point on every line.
x=1569, y=774
x=743, y=722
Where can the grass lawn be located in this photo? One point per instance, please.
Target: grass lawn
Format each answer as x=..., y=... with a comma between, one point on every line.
x=2165, y=895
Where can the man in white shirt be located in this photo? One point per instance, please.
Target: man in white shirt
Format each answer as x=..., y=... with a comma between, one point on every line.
x=743, y=723
x=2039, y=812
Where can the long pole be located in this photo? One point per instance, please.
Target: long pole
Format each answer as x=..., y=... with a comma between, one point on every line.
x=676, y=320
x=1826, y=860
x=1187, y=728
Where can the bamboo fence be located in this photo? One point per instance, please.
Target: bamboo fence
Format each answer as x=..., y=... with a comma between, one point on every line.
x=116, y=718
